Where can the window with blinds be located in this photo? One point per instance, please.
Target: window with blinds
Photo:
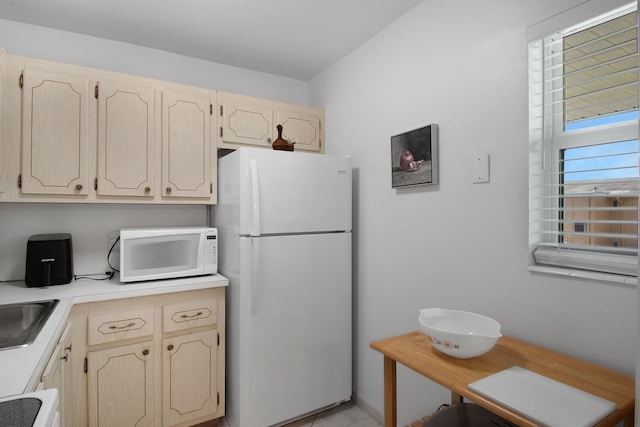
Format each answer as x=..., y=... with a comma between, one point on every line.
x=583, y=169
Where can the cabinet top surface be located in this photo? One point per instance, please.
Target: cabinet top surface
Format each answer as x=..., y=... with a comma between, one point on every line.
x=23, y=365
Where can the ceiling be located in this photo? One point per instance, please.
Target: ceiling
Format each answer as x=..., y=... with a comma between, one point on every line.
x=291, y=38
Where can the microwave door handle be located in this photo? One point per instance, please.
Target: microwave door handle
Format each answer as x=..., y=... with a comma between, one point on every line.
x=255, y=194
x=255, y=262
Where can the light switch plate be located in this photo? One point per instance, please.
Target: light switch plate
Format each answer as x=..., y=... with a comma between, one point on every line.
x=480, y=168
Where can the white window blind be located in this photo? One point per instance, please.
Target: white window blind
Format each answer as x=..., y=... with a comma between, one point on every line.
x=583, y=157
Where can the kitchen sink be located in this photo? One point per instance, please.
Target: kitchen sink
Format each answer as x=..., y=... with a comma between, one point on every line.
x=21, y=323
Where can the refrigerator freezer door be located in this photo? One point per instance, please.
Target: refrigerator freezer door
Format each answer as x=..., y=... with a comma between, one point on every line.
x=289, y=192
x=295, y=327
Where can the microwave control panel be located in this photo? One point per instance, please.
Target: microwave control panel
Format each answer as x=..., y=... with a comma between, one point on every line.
x=211, y=252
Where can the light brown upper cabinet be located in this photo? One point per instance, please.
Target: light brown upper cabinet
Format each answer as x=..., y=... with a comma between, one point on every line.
x=126, y=139
x=245, y=121
x=302, y=126
x=55, y=137
x=186, y=145
x=76, y=134
x=252, y=121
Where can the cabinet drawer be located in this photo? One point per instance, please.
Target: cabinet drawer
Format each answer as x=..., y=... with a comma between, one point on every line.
x=185, y=315
x=117, y=326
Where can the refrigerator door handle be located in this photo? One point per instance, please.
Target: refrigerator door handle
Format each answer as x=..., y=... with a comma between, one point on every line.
x=253, y=286
x=255, y=195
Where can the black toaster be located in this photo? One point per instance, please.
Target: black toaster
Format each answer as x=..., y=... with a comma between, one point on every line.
x=49, y=260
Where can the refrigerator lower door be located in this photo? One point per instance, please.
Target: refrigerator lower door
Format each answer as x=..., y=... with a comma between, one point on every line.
x=294, y=327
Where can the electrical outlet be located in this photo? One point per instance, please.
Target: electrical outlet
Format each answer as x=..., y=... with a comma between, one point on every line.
x=111, y=239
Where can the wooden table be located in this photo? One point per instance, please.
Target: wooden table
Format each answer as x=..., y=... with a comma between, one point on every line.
x=415, y=352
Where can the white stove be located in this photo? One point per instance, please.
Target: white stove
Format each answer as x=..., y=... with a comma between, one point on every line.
x=37, y=409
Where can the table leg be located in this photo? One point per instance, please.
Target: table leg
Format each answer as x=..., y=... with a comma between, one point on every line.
x=456, y=398
x=629, y=420
x=390, y=403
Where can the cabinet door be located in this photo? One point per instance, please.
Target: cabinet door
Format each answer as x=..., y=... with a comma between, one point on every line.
x=52, y=376
x=246, y=120
x=66, y=373
x=121, y=386
x=186, y=145
x=54, y=134
x=189, y=377
x=301, y=127
x=126, y=140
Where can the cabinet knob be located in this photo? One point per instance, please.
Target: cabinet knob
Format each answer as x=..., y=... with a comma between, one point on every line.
x=147, y=190
x=68, y=348
x=145, y=352
x=170, y=347
x=168, y=190
x=78, y=187
x=65, y=357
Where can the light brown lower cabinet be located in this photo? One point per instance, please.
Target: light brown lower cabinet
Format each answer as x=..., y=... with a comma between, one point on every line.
x=58, y=373
x=121, y=386
x=189, y=380
x=150, y=361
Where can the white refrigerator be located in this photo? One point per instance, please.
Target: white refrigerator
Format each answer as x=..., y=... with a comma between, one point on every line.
x=284, y=230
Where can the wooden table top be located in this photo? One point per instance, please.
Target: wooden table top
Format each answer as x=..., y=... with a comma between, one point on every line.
x=415, y=351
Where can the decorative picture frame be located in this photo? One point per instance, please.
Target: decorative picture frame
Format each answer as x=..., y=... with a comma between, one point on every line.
x=414, y=157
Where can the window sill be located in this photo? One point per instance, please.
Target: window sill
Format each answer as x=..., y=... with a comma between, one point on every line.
x=582, y=274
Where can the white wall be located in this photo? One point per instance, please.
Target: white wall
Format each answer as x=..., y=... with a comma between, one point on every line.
x=90, y=224
x=456, y=245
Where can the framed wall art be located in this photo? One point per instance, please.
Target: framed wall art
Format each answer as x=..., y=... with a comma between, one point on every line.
x=414, y=157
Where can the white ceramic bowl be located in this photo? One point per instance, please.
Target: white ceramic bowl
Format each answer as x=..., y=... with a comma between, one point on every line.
x=457, y=333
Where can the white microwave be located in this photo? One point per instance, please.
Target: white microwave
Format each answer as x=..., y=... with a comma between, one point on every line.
x=163, y=253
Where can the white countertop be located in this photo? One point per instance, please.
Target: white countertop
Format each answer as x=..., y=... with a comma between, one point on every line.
x=20, y=368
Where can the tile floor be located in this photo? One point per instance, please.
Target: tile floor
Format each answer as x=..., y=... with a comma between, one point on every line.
x=346, y=415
